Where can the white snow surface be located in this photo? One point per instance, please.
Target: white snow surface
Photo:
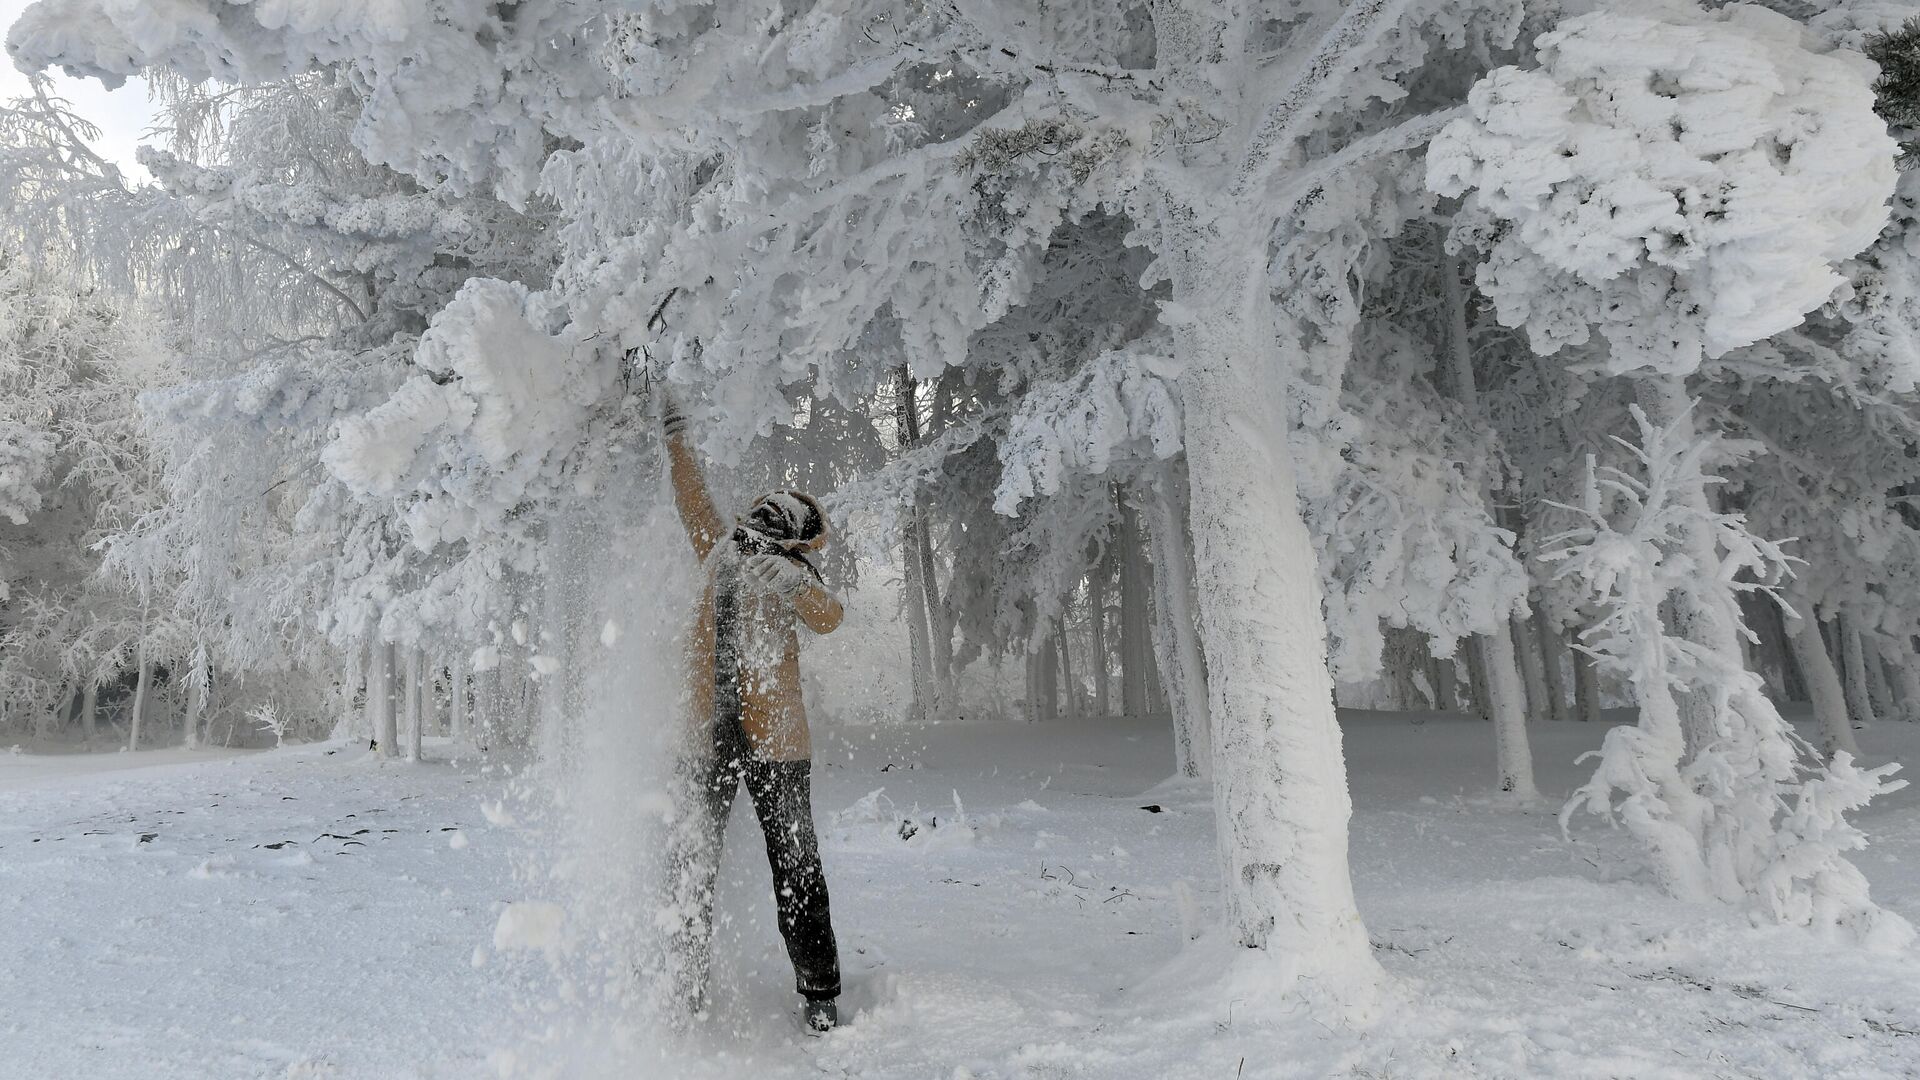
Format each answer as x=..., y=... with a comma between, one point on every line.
x=303, y=913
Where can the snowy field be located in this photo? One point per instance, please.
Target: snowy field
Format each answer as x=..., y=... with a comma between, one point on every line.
x=312, y=913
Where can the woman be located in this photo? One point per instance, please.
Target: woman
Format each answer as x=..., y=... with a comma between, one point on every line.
x=748, y=723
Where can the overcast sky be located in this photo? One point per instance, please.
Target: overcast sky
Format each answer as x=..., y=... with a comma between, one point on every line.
x=121, y=115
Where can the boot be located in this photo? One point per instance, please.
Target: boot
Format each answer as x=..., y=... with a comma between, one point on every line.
x=822, y=1016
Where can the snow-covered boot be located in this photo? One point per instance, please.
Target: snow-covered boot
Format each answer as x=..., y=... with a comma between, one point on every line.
x=822, y=1017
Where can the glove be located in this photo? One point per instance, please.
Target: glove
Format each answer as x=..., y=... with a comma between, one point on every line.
x=776, y=574
x=673, y=422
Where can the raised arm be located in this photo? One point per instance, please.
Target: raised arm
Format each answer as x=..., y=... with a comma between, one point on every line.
x=690, y=497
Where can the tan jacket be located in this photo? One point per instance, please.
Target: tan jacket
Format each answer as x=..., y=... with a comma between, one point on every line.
x=772, y=713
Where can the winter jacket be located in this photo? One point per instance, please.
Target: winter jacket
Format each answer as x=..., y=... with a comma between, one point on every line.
x=772, y=714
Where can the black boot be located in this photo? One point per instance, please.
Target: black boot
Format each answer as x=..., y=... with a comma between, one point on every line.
x=822, y=1016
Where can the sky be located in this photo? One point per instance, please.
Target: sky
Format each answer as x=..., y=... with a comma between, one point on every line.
x=122, y=115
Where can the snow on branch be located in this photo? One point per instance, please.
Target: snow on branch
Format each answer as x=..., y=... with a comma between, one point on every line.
x=886, y=491
x=489, y=427
x=1684, y=180
x=1121, y=404
x=1338, y=53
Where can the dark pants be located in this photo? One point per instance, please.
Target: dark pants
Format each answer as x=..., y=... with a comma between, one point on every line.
x=782, y=798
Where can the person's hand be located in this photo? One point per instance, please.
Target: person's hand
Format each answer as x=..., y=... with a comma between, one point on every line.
x=673, y=422
x=777, y=574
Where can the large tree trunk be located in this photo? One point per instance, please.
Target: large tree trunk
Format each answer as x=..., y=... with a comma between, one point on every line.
x=89, y=708
x=1178, y=637
x=1280, y=778
x=1823, y=682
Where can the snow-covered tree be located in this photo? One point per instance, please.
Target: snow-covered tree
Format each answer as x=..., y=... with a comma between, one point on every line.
x=78, y=471
x=1686, y=182
x=1719, y=825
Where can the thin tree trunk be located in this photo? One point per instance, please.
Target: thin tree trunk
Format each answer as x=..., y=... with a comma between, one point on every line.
x=43, y=719
x=1032, y=665
x=1880, y=691
x=1135, y=646
x=486, y=705
x=380, y=722
x=1586, y=688
x=1498, y=686
x=918, y=626
x=1907, y=704
x=1179, y=637
x=1474, y=653
x=457, y=698
x=1858, y=700
x=1070, y=698
x=918, y=641
x=940, y=614
x=1512, y=752
x=1533, y=667
x=920, y=547
x=1666, y=403
x=140, y=688
x=1046, y=680
x=196, y=705
x=1445, y=680
x=1776, y=662
x=142, y=680
x=414, y=697
x=1403, y=657
x=89, y=708
x=1553, y=658
x=941, y=653
x=1823, y=681
x=1097, y=628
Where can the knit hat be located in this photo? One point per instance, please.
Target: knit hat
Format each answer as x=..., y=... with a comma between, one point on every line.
x=791, y=519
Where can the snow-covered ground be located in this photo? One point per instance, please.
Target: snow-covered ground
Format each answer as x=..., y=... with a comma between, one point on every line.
x=312, y=913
